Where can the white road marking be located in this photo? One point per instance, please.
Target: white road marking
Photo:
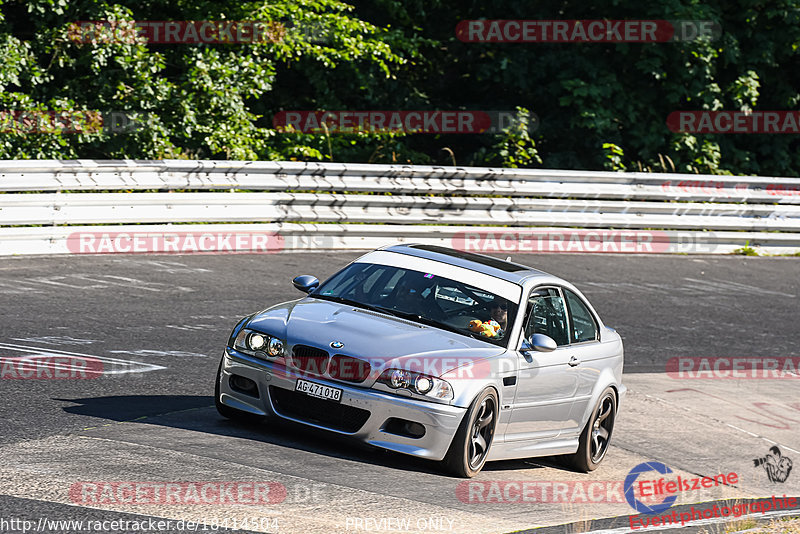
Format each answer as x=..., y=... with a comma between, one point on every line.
x=694, y=285
x=83, y=282
x=163, y=266
x=719, y=286
x=17, y=287
x=189, y=326
x=55, y=340
x=39, y=356
x=146, y=352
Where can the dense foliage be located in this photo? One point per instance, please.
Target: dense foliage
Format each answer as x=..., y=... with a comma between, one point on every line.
x=595, y=105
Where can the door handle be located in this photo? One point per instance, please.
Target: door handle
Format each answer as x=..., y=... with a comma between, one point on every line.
x=574, y=361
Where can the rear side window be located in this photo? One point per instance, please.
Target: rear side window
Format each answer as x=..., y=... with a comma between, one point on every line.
x=584, y=327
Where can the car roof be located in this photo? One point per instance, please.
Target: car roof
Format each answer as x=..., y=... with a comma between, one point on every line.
x=505, y=270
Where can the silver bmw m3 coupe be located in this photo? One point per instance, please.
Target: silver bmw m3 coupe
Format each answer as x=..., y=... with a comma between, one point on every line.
x=441, y=354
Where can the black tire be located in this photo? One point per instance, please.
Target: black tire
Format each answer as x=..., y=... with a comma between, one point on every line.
x=596, y=435
x=227, y=411
x=471, y=444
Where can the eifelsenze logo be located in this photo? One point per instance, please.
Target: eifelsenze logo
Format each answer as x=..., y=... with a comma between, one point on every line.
x=585, y=31
x=50, y=367
x=608, y=241
x=177, y=242
x=725, y=122
x=710, y=512
x=775, y=464
x=733, y=368
x=176, y=31
x=135, y=492
x=629, y=486
x=422, y=121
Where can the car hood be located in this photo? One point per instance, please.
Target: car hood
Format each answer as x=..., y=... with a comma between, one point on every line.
x=383, y=340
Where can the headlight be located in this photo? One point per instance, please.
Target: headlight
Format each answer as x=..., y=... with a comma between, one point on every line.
x=258, y=344
x=428, y=386
x=423, y=384
x=256, y=341
x=398, y=379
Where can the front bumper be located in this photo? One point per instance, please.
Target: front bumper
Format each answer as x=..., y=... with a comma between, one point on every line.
x=366, y=414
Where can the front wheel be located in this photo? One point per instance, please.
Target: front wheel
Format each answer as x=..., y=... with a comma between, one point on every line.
x=596, y=436
x=472, y=441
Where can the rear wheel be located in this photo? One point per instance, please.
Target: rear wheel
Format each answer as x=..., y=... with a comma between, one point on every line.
x=470, y=446
x=596, y=436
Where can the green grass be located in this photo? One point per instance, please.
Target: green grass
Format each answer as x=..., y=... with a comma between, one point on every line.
x=746, y=250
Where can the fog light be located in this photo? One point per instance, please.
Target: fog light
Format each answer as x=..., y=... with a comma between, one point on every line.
x=256, y=341
x=244, y=385
x=415, y=430
x=403, y=427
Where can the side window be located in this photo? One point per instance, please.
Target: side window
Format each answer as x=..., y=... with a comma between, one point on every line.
x=584, y=327
x=547, y=315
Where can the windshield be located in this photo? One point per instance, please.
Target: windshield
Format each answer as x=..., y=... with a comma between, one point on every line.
x=424, y=298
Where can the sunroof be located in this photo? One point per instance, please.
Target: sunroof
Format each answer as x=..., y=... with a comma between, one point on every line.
x=477, y=258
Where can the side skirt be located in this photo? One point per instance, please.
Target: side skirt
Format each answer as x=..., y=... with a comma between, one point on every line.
x=512, y=450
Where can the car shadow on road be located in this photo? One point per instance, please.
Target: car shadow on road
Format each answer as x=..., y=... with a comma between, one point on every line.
x=197, y=413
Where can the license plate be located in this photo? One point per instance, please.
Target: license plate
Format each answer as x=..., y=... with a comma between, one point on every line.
x=318, y=390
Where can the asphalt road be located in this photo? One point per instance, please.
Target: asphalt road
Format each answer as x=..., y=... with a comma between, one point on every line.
x=162, y=321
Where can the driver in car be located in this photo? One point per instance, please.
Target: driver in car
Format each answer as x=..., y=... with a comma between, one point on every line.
x=498, y=310
x=410, y=296
x=495, y=326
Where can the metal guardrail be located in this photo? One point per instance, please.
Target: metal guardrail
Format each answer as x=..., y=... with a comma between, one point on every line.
x=329, y=206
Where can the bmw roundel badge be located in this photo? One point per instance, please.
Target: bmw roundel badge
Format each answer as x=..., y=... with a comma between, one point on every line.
x=337, y=344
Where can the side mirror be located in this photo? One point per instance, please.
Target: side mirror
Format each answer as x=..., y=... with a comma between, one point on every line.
x=539, y=343
x=306, y=283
